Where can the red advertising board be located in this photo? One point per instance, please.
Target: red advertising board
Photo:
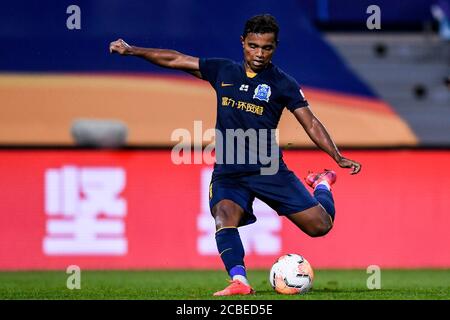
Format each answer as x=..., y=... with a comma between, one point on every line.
x=137, y=210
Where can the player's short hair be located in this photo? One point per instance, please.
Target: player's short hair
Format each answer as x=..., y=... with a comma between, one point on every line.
x=262, y=23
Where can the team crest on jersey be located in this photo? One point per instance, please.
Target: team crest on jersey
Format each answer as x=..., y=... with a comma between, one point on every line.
x=262, y=92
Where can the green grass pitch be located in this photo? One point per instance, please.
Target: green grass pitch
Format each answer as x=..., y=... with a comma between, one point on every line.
x=191, y=285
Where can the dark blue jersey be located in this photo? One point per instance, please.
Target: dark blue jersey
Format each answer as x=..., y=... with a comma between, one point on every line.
x=248, y=109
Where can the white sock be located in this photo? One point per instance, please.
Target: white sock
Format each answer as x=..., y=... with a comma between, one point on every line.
x=241, y=279
x=324, y=183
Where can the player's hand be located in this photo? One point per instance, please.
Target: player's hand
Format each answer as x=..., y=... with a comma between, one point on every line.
x=347, y=163
x=119, y=46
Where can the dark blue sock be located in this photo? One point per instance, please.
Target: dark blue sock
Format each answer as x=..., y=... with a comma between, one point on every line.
x=231, y=250
x=325, y=198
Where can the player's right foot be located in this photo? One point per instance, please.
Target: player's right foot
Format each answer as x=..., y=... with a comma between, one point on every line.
x=313, y=179
x=235, y=287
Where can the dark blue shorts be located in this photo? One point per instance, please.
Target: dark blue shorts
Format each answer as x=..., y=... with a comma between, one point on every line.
x=283, y=192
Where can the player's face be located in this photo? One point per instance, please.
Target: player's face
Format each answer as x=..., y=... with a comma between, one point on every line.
x=258, y=50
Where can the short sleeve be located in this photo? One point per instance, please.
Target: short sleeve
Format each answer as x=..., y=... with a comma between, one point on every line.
x=294, y=96
x=210, y=67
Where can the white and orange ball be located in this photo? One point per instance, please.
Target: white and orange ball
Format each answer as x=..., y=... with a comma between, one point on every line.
x=291, y=274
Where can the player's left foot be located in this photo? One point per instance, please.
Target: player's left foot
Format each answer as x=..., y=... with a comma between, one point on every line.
x=313, y=179
x=236, y=287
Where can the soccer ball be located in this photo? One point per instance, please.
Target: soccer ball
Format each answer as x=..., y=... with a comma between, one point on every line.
x=291, y=274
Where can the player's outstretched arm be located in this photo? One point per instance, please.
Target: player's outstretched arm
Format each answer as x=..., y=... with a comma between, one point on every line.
x=161, y=57
x=319, y=135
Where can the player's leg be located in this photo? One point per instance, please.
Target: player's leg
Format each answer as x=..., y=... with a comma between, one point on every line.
x=318, y=220
x=315, y=221
x=228, y=215
x=287, y=195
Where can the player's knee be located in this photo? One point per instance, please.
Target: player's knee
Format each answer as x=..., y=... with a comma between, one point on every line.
x=225, y=215
x=320, y=228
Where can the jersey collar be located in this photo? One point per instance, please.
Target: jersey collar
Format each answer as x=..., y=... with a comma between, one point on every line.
x=258, y=75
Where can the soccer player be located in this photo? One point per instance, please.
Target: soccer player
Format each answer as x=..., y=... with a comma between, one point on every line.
x=251, y=95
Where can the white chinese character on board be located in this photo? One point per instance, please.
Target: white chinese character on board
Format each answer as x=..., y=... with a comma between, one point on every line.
x=261, y=238
x=85, y=211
